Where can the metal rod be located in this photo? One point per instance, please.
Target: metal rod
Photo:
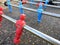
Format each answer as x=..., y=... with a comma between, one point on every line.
x=44, y=12
x=52, y=6
x=42, y=35
x=44, y=4
x=56, y=2
x=53, y=1
x=36, y=32
x=9, y=18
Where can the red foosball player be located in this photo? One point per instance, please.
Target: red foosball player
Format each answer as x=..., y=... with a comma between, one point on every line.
x=1, y=12
x=19, y=25
x=24, y=1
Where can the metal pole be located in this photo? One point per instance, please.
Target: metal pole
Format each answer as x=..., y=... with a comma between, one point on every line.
x=44, y=12
x=56, y=2
x=9, y=18
x=52, y=6
x=36, y=32
x=42, y=35
x=44, y=4
x=53, y=1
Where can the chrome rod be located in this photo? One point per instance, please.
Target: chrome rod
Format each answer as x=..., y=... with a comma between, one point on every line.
x=44, y=12
x=36, y=32
x=44, y=1
x=44, y=4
